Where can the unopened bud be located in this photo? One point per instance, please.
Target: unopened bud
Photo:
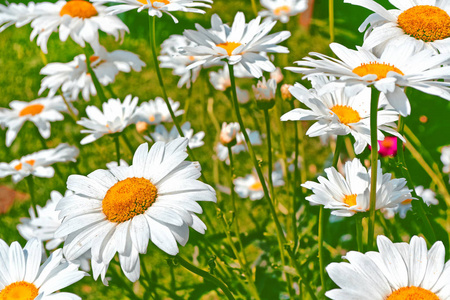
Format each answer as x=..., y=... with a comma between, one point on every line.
x=141, y=126
x=285, y=94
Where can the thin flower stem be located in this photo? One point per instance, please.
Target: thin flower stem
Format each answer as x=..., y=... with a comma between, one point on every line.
x=111, y=92
x=117, y=142
x=124, y=284
x=331, y=19
x=359, y=232
x=300, y=151
x=98, y=86
x=207, y=276
x=373, y=165
x=30, y=183
x=127, y=142
x=298, y=268
x=269, y=153
x=254, y=7
x=69, y=108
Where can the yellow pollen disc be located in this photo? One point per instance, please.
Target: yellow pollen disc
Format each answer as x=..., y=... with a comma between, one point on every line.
x=425, y=22
x=78, y=8
x=257, y=186
x=379, y=69
x=32, y=109
x=19, y=290
x=229, y=46
x=282, y=9
x=128, y=198
x=350, y=200
x=412, y=293
x=346, y=114
x=407, y=201
x=19, y=166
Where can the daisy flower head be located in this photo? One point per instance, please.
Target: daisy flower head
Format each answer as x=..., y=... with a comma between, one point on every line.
x=41, y=112
x=282, y=10
x=121, y=209
x=39, y=163
x=240, y=44
x=222, y=151
x=157, y=7
x=397, y=271
x=351, y=194
x=79, y=19
x=18, y=14
x=116, y=116
x=265, y=93
x=397, y=67
x=155, y=111
x=161, y=134
x=339, y=114
x=23, y=276
x=73, y=77
x=445, y=158
x=228, y=133
x=422, y=22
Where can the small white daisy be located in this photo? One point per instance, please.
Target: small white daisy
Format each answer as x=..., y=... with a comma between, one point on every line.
x=155, y=111
x=398, y=271
x=116, y=116
x=228, y=133
x=240, y=44
x=336, y=113
x=73, y=77
x=351, y=194
x=397, y=67
x=121, y=209
x=41, y=112
x=282, y=10
x=39, y=163
x=422, y=22
x=222, y=151
x=445, y=158
x=161, y=134
x=157, y=7
x=265, y=90
x=23, y=277
x=79, y=19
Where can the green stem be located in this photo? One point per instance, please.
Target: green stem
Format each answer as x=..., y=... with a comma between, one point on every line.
x=98, y=86
x=69, y=109
x=269, y=152
x=30, y=183
x=298, y=268
x=207, y=276
x=359, y=232
x=331, y=19
x=124, y=284
x=255, y=9
x=116, y=141
x=127, y=142
x=111, y=92
x=373, y=165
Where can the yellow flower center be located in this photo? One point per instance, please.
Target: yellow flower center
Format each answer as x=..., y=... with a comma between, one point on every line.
x=379, y=69
x=153, y=1
x=407, y=201
x=229, y=46
x=257, y=186
x=350, y=200
x=412, y=293
x=19, y=290
x=425, y=22
x=346, y=114
x=282, y=9
x=78, y=8
x=32, y=109
x=128, y=198
x=19, y=166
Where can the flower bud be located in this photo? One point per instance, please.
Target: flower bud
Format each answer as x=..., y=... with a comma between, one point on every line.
x=265, y=93
x=285, y=93
x=228, y=133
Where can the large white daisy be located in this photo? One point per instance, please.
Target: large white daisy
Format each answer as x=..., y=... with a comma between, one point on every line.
x=336, y=113
x=41, y=112
x=79, y=19
x=23, y=277
x=121, y=209
x=398, y=271
x=18, y=14
x=351, y=194
x=282, y=10
x=239, y=44
x=397, y=67
x=425, y=23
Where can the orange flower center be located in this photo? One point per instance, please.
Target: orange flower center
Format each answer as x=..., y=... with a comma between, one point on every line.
x=350, y=200
x=407, y=201
x=282, y=9
x=346, y=114
x=153, y=1
x=387, y=143
x=19, y=166
x=19, y=290
x=78, y=8
x=379, y=69
x=412, y=293
x=257, y=186
x=425, y=22
x=128, y=198
x=32, y=109
x=229, y=46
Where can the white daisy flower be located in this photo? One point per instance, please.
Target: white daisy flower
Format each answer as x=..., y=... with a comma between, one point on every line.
x=428, y=196
x=445, y=158
x=398, y=66
x=79, y=19
x=228, y=133
x=157, y=7
x=18, y=14
x=422, y=22
x=351, y=194
x=121, y=209
x=23, y=277
x=398, y=271
x=282, y=9
x=265, y=89
x=250, y=186
x=336, y=113
x=116, y=116
x=155, y=111
x=41, y=112
x=239, y=44
x=222, y=151
x=38, y=163
x=161, y=134
x=73, y=77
